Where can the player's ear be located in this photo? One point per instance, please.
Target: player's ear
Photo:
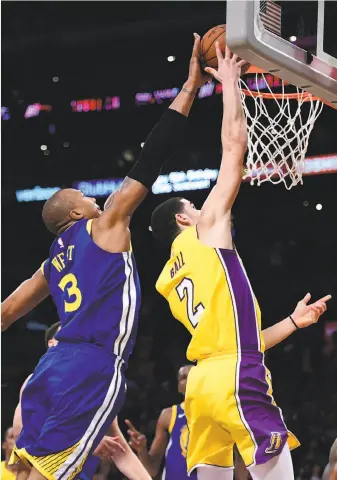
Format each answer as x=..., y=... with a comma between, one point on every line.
x=182, y=219
x=76, y=215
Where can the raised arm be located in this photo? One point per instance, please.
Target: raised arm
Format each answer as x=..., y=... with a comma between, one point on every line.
x=215, y=226
x=26, y=297
x=151, y=459
x=303, y=316
x=158, y=148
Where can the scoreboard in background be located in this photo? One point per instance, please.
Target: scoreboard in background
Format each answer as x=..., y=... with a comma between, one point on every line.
x=181, y=181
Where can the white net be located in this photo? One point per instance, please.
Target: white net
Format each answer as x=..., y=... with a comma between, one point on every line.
x=278, y=132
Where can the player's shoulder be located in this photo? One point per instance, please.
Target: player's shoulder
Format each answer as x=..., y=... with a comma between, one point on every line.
x=185, y=237
x=165, y=417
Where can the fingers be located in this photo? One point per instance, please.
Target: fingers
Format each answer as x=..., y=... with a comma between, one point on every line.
x=219, y=52
x=130, y=425
x=228, y=53
x=325, y=299
x=116, y=443
x=241, y=63
x=306, y=298
x=213, y=72
x=104, y=449
x=196, y=46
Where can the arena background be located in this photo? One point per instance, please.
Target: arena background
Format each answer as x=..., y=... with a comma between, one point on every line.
x=58, y=54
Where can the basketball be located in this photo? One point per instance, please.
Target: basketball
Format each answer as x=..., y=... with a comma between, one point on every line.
x=208, y=56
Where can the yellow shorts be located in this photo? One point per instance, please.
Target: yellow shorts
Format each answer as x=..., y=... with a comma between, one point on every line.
x=229, y=402
x=50, y=465
x=47, y=465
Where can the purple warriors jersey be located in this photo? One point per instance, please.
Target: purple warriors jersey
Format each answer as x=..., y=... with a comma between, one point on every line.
x=97, y=294
x=175, y=456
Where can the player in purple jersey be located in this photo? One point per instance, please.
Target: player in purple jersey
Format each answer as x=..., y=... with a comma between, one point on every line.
x=113, y=447
x=171, y=441
x=92, y=277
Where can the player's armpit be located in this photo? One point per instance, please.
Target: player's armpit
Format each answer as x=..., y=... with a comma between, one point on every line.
x=26, y=297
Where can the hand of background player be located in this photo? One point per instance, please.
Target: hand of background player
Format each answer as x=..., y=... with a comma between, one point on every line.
x=305, y=315
x=195, y=75
x=229, y=67
x=108, y=447
x=136, y=439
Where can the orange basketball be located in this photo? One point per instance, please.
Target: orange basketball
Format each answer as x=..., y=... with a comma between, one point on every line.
x=208, y=56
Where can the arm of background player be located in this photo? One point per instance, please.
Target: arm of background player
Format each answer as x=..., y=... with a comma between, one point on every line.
x=303, y=315
x=17, y=420
x=330, y=472
x=152, y=459
x=126, y=461
x=218, y=205
x=158, y=148
x=26, y=297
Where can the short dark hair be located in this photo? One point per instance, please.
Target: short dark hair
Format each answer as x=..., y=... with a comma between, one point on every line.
x=51, y=332
x=163, y=220
x=55, y=211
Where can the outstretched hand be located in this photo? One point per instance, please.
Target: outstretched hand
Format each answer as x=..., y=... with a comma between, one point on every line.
x=195, y=75
x=229, y=67
x=136, y=439
x=109, y=447
x=305, y=315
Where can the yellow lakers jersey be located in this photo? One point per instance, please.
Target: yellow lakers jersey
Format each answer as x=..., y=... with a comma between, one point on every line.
x=209, y=292
x=5, y=473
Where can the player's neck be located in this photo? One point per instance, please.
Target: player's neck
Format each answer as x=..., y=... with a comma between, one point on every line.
x=64, y=228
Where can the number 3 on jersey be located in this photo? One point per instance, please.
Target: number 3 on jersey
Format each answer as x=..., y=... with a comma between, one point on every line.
x=69, y=283
x=186, y=289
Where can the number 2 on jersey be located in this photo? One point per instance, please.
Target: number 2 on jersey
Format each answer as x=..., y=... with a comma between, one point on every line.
x=69, y=283
x=186, y=289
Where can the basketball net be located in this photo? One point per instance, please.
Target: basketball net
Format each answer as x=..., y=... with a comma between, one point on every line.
x=278, y=132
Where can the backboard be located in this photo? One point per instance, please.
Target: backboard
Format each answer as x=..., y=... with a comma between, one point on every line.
x=257, y=40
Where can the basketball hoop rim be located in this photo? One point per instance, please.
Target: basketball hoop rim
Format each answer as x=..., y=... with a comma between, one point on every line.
x=303, y=96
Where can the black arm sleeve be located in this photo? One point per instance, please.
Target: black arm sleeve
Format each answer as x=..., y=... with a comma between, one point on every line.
x=158, y=147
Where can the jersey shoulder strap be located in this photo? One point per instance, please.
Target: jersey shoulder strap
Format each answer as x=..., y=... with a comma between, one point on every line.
x=173, y=418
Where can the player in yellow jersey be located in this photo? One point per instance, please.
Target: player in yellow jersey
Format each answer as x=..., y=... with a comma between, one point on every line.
x=8, y=472
x=229, y=396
